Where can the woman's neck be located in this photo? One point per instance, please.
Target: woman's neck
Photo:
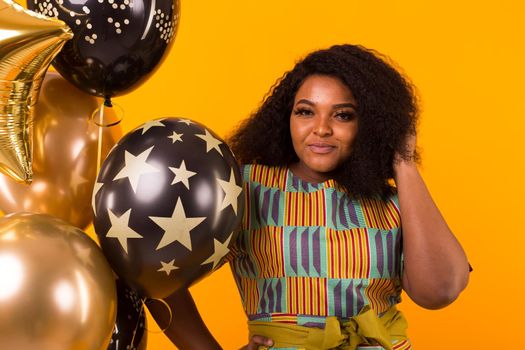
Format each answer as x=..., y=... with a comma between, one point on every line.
x=300, y=170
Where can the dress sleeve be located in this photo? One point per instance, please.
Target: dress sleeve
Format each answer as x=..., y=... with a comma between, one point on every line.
x=399, y=255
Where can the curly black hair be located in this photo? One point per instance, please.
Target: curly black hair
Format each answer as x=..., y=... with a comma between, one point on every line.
x=386, y=108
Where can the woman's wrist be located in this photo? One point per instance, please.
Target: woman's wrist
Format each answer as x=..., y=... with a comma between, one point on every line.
x=403, y=167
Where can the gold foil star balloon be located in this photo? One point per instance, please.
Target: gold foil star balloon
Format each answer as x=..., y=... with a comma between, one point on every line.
x=65, y=155
x=28, y=44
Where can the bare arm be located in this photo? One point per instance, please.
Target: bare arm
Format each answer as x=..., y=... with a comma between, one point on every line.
x=187, y=330
x=435, y=268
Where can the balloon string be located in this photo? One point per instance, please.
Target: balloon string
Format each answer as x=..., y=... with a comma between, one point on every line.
x=98, y=117
x=169, y=311
x=100, y=134
x=117, y=110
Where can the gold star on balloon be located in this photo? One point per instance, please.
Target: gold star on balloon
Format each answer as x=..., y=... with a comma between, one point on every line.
x=135, y=167
x=28, y=44
x=219, y=251
x=152, y=123
x=211, y=142
x=167, y=267
x=96, y=188
x=231, y=192
x=186, y=121
x=175, y=137
x=182, y=175
x=177, y=227
x=120, y=229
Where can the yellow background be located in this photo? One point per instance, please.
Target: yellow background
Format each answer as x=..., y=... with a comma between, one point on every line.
x=465, y=57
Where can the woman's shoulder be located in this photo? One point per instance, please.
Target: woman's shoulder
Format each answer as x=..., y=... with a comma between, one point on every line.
x=389, y=199
x=380, y=211
x=266, y=175
x=392, y=197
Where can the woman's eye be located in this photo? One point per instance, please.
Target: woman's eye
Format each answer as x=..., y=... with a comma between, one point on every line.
x=303, y=112
x=345, y=116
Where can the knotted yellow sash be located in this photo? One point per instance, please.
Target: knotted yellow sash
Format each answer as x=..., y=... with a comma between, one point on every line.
x=366, y=328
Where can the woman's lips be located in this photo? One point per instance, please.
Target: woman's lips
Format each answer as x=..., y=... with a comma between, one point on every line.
x=321, y=148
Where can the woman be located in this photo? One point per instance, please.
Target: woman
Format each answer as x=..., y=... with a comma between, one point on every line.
x=333, y=181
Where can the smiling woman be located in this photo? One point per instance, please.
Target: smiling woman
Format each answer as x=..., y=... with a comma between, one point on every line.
x=328, y=242
x=323, y=127
x=363, y=88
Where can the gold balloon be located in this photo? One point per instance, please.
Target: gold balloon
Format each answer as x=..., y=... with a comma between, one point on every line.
x=57, y=290
x=65, y=155
x=28, y=43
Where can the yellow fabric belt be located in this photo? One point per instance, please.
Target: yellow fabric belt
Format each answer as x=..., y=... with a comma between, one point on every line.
x=366, y=328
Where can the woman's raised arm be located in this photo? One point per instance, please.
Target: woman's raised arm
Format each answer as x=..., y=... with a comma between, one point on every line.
x=436, y=269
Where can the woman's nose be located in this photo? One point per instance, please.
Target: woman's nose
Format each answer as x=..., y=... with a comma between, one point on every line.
x=322, y=127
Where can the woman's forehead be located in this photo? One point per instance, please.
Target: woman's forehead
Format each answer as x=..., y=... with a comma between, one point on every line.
x=324, y=88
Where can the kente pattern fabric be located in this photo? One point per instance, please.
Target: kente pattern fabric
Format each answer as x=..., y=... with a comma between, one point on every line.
x=308, y=251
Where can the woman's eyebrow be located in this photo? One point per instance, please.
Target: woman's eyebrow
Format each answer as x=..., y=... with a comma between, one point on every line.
x=308, y=102
x=339, y=105
x=343, y=105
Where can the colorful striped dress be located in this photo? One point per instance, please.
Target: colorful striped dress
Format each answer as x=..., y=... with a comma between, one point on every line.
x=308, y=251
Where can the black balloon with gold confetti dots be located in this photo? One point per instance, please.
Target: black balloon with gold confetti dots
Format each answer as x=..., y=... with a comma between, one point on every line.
x=130, y=331
x=117, y=44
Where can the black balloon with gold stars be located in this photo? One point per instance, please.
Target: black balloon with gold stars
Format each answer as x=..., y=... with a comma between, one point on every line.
x=167, y=203
x=130, y=331
x=117, y=44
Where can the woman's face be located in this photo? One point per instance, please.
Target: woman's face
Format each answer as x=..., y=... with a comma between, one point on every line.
x=323, y=126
